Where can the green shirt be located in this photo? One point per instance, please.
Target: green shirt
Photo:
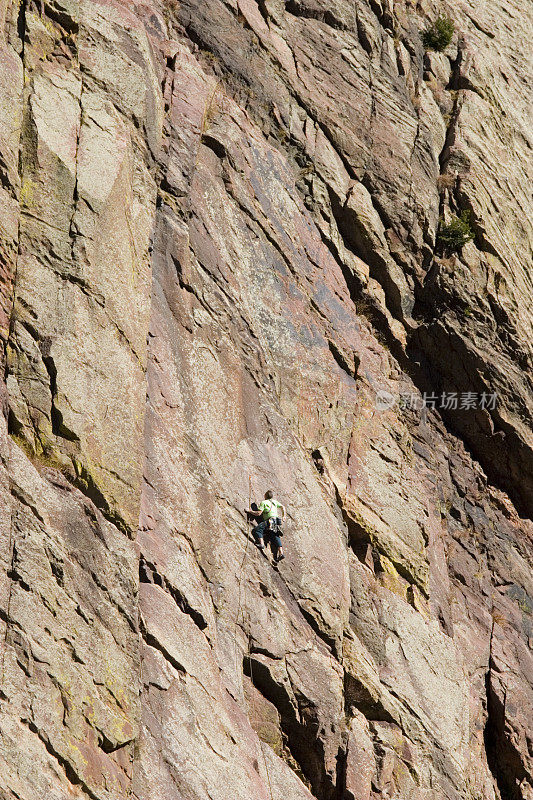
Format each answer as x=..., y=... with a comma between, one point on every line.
x=269, y=508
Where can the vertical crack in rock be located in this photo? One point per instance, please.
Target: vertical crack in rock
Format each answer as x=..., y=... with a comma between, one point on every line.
x=58, y=426
x=11, y=544
x=503, y=758
x=299, y=726
x=21, y=31
x=6, y=615
x=75, y=198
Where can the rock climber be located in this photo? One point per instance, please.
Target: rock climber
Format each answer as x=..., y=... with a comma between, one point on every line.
x=269, y=528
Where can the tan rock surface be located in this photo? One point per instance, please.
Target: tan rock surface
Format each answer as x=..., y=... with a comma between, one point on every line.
x=218, y=232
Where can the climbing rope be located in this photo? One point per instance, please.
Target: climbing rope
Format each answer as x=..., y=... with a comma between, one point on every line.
x=240, y=574
x=248, y=636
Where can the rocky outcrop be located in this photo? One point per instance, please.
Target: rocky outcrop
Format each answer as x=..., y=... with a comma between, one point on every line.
x=220, y=273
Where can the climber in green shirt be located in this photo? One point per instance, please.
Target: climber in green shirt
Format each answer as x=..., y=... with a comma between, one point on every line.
x=271, y=512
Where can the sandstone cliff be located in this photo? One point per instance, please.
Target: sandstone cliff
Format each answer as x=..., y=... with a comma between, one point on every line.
x=219, y=271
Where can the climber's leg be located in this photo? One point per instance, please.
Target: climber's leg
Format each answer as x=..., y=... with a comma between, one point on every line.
x=275, y=544
x=275, y=534
x=259, y=533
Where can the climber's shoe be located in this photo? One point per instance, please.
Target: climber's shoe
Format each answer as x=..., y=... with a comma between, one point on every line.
x=280, y=557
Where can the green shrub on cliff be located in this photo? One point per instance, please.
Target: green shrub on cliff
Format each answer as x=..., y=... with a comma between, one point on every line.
x=452, y=236
x=439, y=35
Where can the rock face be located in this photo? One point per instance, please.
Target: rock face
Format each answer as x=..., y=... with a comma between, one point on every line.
x=220, y=273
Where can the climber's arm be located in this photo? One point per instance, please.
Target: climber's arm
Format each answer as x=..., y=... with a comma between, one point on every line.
x=254, y=512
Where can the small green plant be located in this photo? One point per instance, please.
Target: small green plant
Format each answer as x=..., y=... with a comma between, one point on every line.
x=439, y=35
x=452, y=236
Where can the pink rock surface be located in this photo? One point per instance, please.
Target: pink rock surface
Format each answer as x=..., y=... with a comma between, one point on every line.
x=218, y=228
